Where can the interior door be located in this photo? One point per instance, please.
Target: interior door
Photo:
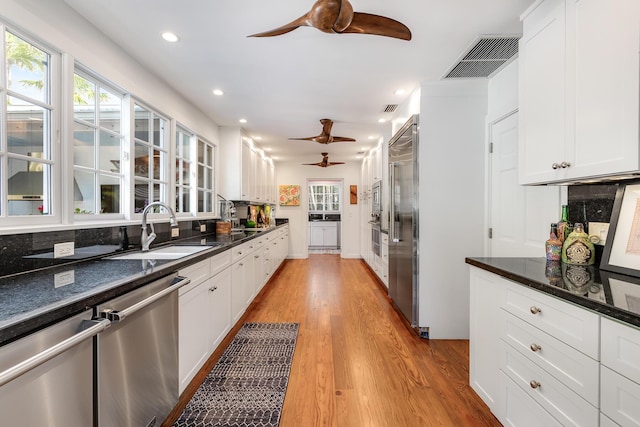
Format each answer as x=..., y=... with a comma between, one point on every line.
x=520, y=215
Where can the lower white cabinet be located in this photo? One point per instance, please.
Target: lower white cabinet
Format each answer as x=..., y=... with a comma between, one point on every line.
x=517, y=409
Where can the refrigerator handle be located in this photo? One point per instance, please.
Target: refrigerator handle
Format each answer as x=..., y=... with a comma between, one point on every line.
x=53, y=351
x=392, y=203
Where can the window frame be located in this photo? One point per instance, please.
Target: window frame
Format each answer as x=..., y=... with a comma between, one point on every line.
x=211, y=191
x=338, y=183
x=190, y=158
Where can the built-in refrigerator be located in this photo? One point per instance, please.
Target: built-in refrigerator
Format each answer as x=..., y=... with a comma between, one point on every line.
x=403, y=224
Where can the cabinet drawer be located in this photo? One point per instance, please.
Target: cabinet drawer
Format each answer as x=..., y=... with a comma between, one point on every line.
x=516, y=408
x=219, y=262
x=620, y=398
x=569, y=366
x=197, y=272
x=620, y=348
x=240, y=251
x=570, y=324
x=556, y=398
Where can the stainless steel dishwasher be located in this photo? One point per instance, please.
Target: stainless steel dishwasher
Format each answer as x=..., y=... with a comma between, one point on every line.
x=46, y=378
x=137, y=357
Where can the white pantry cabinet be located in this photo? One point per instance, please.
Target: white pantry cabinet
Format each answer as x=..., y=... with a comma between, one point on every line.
x=579, y=90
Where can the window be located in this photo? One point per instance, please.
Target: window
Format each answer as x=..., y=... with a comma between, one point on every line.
x=206, y=193
x=26, y=112
x=185, y=169
x=150, y=166
x=324, y=196
x=97, y=147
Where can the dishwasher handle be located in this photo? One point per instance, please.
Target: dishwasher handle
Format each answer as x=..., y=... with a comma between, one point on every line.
x=119, y=315
x=38, y=359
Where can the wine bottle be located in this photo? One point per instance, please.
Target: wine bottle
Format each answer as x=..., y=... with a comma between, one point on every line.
x=563, y=225
x=553, y=245
x=577, y=248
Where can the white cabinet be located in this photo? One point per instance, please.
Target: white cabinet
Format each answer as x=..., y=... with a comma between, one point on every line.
x=245, y=173
x=620, y=373
x=204, y=310
x=323, y=234
x=579, y=96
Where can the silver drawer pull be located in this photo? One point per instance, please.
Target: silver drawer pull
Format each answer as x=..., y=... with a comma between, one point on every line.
x=535, y=347
x=535, y=310
x=555, y=166
x=534, y=384
x=565, y=165
x=215, y=288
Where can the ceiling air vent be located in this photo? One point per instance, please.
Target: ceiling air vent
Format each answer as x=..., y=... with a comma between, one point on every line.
x=486, y=55
x=389, y=108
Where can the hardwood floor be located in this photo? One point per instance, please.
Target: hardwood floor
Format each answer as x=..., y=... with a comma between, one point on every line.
x=356, y=362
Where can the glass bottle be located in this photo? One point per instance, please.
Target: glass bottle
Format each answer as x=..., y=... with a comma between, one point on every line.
x=563, y=225
x=577, y=248
x=553, y=245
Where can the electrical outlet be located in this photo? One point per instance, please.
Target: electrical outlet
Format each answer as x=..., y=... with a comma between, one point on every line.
x=598, y=232
x=63, y=279
x=203, y=228
x=175, y=232
x=63, y=249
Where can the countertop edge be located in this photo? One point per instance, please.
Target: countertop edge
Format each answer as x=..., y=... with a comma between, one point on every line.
x=605, y=310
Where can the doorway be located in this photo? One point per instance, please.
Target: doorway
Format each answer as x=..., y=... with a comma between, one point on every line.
x=324, y=215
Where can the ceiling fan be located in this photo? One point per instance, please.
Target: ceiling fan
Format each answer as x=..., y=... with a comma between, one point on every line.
x=325, y=137
x=325, y=163
x=337, y=16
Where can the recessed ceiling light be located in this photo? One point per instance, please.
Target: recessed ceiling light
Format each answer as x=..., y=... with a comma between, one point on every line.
x=381, y=120
x=275, y=157
x=268, y=149
x=399, y=92
x=218, y=92
x=257, y=138
x=243, y=120
x=372, y=137
x=170, y=37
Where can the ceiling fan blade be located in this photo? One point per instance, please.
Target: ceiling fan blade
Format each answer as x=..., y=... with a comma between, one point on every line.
x=309, y=138
x=312, y=164
x=343, y=139
x=335, y=163
x=366, y=23
x=300, y=22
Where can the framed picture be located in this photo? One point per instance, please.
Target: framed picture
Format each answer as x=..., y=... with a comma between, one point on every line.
x=622, y=250
x=621, y=291
x=289, y=195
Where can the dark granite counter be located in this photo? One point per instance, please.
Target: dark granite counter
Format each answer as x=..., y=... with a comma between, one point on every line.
x=610, y=294
x=33, y=300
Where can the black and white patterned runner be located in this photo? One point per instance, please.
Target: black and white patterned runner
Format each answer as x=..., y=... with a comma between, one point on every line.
x=247, y=386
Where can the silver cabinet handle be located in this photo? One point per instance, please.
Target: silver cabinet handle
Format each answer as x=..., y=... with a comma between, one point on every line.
x=535, y=384
x=53, y=351
x=555, y=166
x=120, y=315
x=215, y=288
x=565, y=165
x=535, y=310
x=535, y=347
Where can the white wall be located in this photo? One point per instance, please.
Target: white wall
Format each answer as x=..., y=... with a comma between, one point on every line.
x=451, y=201
x=503, y=92
x=295, y=173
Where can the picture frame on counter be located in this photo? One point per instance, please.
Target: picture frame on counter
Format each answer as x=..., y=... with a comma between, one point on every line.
x=622, y=250
x=621, y=291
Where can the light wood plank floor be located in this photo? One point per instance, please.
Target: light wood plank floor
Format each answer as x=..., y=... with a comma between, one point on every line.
x=356, y=362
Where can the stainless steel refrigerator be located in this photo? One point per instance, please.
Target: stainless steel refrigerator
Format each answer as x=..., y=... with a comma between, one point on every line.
x=403, y=220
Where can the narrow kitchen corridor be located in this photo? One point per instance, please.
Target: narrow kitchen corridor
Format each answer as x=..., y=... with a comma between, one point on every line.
x=356, y=363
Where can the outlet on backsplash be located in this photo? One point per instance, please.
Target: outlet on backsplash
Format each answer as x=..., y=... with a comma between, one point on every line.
x=63, y=249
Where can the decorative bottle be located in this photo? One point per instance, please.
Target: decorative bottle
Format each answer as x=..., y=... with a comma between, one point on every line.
x=563, y=225
x=553, y=245
x=577, y=248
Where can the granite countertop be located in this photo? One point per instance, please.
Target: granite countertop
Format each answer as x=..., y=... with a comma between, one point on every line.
x=31, y=300
x=610, y=294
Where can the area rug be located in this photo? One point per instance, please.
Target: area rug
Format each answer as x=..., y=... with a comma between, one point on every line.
x=246, y=388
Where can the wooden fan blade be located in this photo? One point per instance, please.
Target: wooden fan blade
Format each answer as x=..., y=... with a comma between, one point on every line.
x=309, y=138
x=366, y=23
x=343, y=139
x=300, y=22
x=335, y=163
x=312, y=164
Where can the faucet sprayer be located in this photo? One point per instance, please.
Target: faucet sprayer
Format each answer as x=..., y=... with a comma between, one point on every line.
x=146, y=239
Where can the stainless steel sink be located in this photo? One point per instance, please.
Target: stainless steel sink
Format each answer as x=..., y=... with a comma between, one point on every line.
x=167, y=252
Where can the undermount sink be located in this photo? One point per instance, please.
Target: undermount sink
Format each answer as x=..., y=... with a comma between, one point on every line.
x=167, y=252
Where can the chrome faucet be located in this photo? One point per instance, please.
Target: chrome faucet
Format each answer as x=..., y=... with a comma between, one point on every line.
x=146, y=239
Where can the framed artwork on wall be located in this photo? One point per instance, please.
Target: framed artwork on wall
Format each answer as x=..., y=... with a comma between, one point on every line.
x=289, y=195
x=622, y=250
x=353, y=194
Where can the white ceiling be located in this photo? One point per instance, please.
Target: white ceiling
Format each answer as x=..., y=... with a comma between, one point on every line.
x=284, y=85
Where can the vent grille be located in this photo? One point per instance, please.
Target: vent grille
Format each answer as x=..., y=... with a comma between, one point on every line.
x=389, y=108
x=484, y=57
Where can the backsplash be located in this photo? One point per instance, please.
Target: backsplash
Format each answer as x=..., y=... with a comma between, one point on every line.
x=591, y=202
x=15, y=248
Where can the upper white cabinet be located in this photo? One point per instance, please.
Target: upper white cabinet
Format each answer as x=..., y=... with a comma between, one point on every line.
x=244, y=173
x=579, y=90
